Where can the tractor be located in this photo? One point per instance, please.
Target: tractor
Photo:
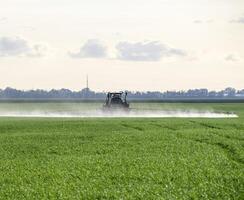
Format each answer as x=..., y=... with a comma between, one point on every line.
x=116, y=100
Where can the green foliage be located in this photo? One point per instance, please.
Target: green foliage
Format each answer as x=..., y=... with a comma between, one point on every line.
x=46, y=158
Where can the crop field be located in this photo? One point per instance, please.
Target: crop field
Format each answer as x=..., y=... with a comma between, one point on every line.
x=122, y=158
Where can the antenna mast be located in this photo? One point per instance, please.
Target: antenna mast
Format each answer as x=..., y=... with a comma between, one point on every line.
x=87, y=86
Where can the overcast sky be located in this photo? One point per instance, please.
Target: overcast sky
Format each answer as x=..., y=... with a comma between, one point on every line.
x=122, y=44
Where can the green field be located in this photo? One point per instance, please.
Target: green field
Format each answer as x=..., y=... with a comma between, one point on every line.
x=122, y=158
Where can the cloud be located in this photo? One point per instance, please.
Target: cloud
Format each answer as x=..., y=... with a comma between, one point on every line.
x=146, y=51
x=3, y=19
x=20, y=47
x=232, y=58
x=28, y=28
x=210, y=21
x=91, y=49
x=39, y=50
x=197, y=21
x=240, y=20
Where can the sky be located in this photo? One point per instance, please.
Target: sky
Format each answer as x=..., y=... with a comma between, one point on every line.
x=155, y=45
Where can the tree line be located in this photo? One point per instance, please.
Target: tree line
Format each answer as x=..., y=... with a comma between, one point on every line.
x=86, y=93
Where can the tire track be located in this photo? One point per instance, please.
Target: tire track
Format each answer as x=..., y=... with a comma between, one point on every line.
x=133, y=127
x=218, y=128
x=228, y=149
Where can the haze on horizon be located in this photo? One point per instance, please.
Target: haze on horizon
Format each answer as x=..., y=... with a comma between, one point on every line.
x=134, y=45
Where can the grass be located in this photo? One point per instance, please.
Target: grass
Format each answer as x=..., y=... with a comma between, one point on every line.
x=48, y=158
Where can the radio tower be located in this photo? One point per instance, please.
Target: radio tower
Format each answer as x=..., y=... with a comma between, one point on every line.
x=87, y=87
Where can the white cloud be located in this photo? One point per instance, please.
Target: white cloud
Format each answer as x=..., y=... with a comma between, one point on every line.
x=28, y=28
x=91, y=49
x=17, y=46
x=3, y=19
x=240, y=20
x=210, y=21
x=39, y=50
x=197, y=21
x=146, y=51
x=232, y=58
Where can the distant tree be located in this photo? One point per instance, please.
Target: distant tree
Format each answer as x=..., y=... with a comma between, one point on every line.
x=229, y=91
x=87, y=93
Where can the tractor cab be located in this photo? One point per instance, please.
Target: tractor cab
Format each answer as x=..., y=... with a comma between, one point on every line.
x=116, y=100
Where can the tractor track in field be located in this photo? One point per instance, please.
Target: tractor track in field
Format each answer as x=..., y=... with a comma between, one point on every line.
x=228, y=149
x=205, y=125
x=227, y=136
x=217, y=128
x=133, y=127
x=142, y=129
x=164, y=126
